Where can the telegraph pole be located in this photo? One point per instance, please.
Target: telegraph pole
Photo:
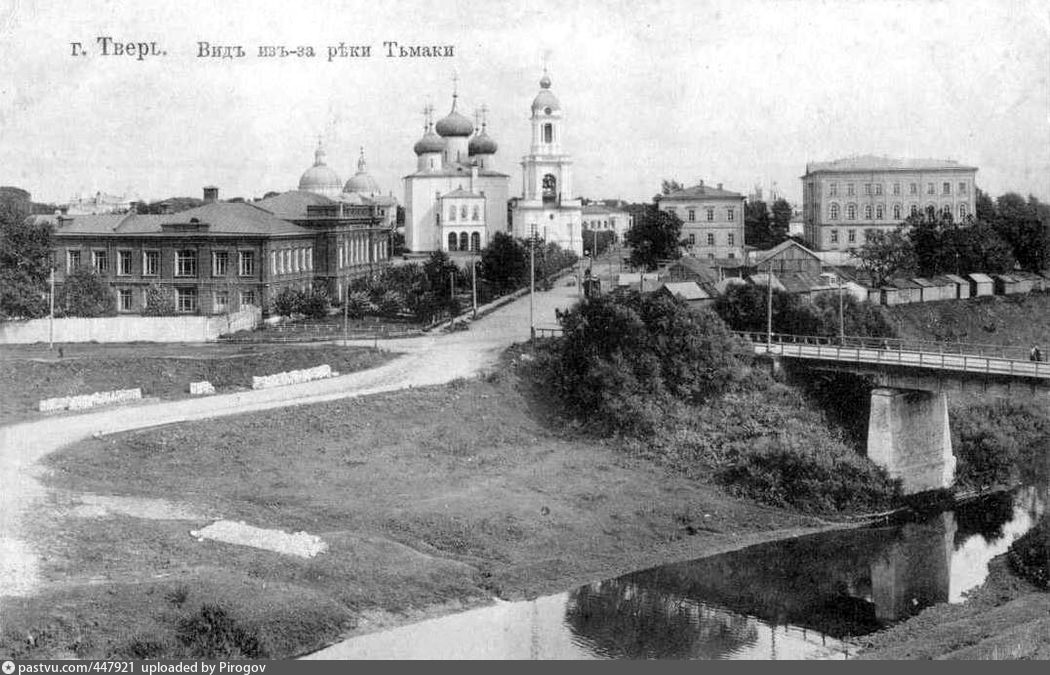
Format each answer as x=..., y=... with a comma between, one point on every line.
x=769, y=309
x=532, y=282
x=474, y=284
x=51, y=314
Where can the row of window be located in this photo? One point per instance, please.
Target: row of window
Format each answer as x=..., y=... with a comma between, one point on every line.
x=597, y=225
x=878, y=211
x=709, y=213
x=355, y=251
x=291, y=260
x=186, y=299
x=185, y=262
x=875, y=189
x=463, y=211
x=464, y=242
x=710, y=238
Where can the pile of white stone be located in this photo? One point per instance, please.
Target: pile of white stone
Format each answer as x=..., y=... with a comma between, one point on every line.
x=298, y=544
x=85, y=401
x=201, y=388
x=292, y=377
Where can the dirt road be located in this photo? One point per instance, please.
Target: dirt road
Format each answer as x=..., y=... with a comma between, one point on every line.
x=426, y=361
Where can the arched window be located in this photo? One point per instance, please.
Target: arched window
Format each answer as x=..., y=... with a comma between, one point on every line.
x=475, y=241
x=476, y=215
x=931, y=209
x=548, y=133
x=451, y=213
x=452, y=241
x=833, y=211
x=914, y=209
x=946, y=210
x=464, y=241
x=851, y=212
x=550, y=187
x=962, y=211
x=463, y=212
x=867, y=212
x=880, y=211
x=896, y=211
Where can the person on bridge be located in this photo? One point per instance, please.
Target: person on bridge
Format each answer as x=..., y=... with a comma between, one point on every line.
x=1035, y=354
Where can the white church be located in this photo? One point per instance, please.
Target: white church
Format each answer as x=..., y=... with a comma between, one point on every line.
x=457, y=200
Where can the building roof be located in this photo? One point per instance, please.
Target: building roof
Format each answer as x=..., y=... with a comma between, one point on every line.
x=980, y=278
x=903, y=283
x=686, y=290
x=700, y=191
x=545, y=98
x=761, y=257
x=954, y=278
x=696, y=267
x=457, y=169
x=876, y=163
x=291, y=205
x=460, y=192
x=220, y=217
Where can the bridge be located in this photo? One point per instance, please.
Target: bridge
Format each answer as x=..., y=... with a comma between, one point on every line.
x=908, y=426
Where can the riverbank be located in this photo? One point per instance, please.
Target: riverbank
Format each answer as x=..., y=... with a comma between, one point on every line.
x=429, y=500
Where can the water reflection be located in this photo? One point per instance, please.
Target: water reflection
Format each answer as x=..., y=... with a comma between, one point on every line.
x=797, y=599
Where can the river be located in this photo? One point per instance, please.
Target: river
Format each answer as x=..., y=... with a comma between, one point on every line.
x=804, y=598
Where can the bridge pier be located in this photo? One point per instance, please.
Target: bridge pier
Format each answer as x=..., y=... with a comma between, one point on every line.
x=908, y=435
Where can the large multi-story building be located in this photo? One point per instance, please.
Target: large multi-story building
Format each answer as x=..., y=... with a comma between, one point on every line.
x=846, y=199
x=712, y=220
x=601, y=217
x=222, y=256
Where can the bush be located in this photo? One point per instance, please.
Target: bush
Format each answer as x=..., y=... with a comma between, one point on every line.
x=1029, y=556
x=213, y=634
x=160, y=301
x=287, y=302
x=622, y=359
x=1000, y=443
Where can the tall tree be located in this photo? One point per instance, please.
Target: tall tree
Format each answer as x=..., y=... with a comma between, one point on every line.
x=886, y=253
x=504, y=262
x=1018, y=223
x=984, y=207
x=781, y=225
x=84, y=293
x=756, y=224
x=25, y=257
x=655, y=236
x=669, y=185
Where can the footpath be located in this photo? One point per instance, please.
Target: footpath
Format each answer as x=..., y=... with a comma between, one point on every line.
x=426, y=361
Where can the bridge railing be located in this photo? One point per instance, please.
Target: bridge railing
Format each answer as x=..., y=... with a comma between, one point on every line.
x=991, y=359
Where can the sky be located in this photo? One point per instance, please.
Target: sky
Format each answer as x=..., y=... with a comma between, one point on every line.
x=739, y=92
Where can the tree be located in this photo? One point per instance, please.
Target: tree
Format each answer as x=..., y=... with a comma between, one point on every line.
x=84, y=293
x=745, y=307
x=314, y=303
x=655, y=236
x=287, y=302
x=886, y=253
x=159, y=301
x=669, y=185
x=25, y=255
x=781, y=225
x=984, y=207
x=504, y=262
x=1017, y=221
x=756, y=224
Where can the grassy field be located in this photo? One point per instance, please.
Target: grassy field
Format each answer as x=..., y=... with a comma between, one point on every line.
x=1016, y=321
x=31, y=373
x=429, y=499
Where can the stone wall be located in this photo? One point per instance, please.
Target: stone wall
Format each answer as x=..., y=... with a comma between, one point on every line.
x=85, y=401
x=130, y=328
x=292, y=377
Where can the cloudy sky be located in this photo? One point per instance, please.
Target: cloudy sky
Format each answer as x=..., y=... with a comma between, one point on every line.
x=738, y=92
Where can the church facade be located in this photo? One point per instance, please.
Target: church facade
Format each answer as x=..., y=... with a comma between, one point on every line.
x=548, y=208
x=455, y=200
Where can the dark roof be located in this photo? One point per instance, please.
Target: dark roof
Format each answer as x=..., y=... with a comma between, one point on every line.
x=701, y=192
x=763, y=256
x=292, y=205
x=686, y=290
x=876, y=163
x=220, y=217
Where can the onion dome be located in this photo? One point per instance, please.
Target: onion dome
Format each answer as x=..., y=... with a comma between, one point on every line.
x=319, y=178
x=361, y=181
x=482, y=144
x=454, y=124
x=545, y=101
x=430, y=142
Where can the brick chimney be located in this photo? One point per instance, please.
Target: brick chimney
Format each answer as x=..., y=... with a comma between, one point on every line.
x=211, y=194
